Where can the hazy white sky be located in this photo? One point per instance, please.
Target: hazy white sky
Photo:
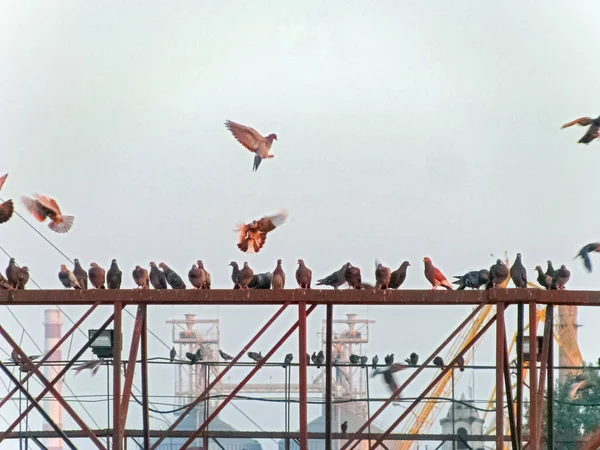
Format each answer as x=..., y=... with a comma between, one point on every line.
x=405, y=130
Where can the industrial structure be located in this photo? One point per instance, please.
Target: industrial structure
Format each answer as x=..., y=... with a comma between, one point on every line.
x=337, y=384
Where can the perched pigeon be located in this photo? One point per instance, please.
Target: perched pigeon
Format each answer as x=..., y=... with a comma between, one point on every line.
x=352, y=275
x=383, y=276
x=80, y=274
x=438, y=361
x=313, y=358
x=245, y=276
x=307, y=359
x=206, y=274
x=518, y=273
x=7, y=208
x=544, y=280
x=461, y=363
x=253, y=141
x=140, y=276
x=278, y=280
x=158, y=280
x=344, y=427
x=252, y=236
x=4, y=284
x=320, y=359
x=389, y=359
x=593, y=132
x=23, y=277
x=288, y=360
x=583, y=253
x=225, y=356
x=235, y=274
x=398, y=276
x=172, y=354
x=413, y=359
x=550, y=270
x=363, y=361
x=388, y=376
x=114, y=276
x=498, y=274
x=336, y=279
x=474, y=279
x=200, y=353
x=261, y=281
x=67, y=278
x=43, y=208
x=12, y=273
x=435, y=276
x=193, y=357
x=354, y=359
x=255, y=356
x=23, y=363
x=303, y=275
x=97, y=276
x=92, y=365
x=173, y=279
x=561, y=278
x=374, y=362
x=197, y=277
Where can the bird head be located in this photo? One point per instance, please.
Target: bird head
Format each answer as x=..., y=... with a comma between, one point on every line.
x=518, y=256
x=246, y=264
x=152, y=264
x=163, y=266
x=114, y=262
x=200, y=264
x=272, y=136
x=76, y=261
x=233, y=264
x=194, y=266
x=11, y=261
x=25, y=269
x=539, y=269
x=427, y=260
x=301, y=262
x=138, y=268
x=63, y=268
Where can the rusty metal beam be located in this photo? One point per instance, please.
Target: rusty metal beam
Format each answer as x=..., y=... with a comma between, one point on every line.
x=145, y=401
x=247, y=378
x=500, y=333
x=302, y=395
x=550, y=401
x=509, y=398
x=520, y=328
x=548, y=335
x=328, y=383
x=117, y=439
x=294, y=296
x=533, y=345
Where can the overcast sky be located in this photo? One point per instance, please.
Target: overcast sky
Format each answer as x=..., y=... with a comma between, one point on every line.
x=405, y=130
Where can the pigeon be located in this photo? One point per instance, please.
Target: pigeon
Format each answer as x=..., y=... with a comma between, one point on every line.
x=413, y=359
x=344, y=427
x=172, y=354
x=461, y=363
x=389, y=359
x=23, y=277
x=593, y=132
x=313, y=358
x=474, y=279
x=97, y=276
x=43, y=208
x=303, y=275
x=13, y=273
x=518, y=273
x=173, y=279
x=435, y=276
x=561, y=278
x=388, y=376
x=398, y=276
x=544, y=280
x=200, y=353
x=374, y=362
x=4, y=284
x=583, y=253
x=288, y=360
x=158, y=280
x=225, y=356
x=338, y=358
x=363, y=361
x=114, y=276
x=278, y=280
x=206, y=274
x=235, y=274
x=438, y=361
x=140, y=276
x=253, y=141
x=580, y=383
x=354, y=359
x=93, y=365
x=550, y=270
x=352, y=275
x=67, y=278
x=193, y=357
x=320, y=359
x=23, y=363
x=252, y=236
x=261, y=281
x=197, y=277
x=383, y=276
x=6, y=208
x=336, y=279
x=255, y=356
x=20, y=275
x=245, y=276
x=80, y=274
x=498, y=274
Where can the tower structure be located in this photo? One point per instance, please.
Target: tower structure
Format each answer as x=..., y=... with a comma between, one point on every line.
x=464, y=421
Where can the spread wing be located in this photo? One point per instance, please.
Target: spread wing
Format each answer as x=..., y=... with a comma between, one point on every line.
x=247, y=136
x=583, y=121
x=269, y=223
x=48, y=202
x=2, y=180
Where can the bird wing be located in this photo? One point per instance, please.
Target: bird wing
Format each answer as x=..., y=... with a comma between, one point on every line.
x=269, y=223
x=591, y=134
x=583, y=121
x=2, y=180
x=247, y=136
x=439, y=276
x=574, y=389
x=48, y=202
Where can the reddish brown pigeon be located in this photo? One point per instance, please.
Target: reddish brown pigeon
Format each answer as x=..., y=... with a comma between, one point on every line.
x=141, y=278
x=207, y=282
x=593, y=131
x=44, y=208
x=245, y=276
x=278, y=280
x=352, y=275
x=6, y=208
x=197, y=277
x=253, y=141
x=97, y=276
x=252, y=236
x=303, y=275
x=435, y=276
x=382, y=277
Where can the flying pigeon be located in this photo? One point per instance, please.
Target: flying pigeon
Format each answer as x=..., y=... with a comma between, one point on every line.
x=172, y=354
x=561, y=278
x=303, y=275
x=413, y=359
x=383, y=276
x=252, y=236
x=255, y=356
x=354, y=359
x=140, y=276
x=197, y=277
x=474, y=279
x=435, y=276
x=389, y=359
x=581, y=383
x=388, y=375
x=438, y=361
x=550, y=270
x=398, y=276
x=583, y=253
x=22, y=362
x=288, y=360
x=261, y=281
x=193, y=357
x=320, y=359
x=344, y=427
x=374, y=362
x=97, y=276
x=253, y=141
x=80, y=274
x=7, y=208
x=245, y=276
x=278, y=280
x=200, y=353
x=461, y=363
x=207, y=275
x=114, y=276
x=158, y=280
x=235, y=274
x=43, y=208
x=593, y=132
x=352, y=275
x=93, y=365
x=363, y=361
x=67, y=278
x=225, y=356
x=498, y=274
x=544, y=280
x=518, y=273
x=336, y=279
x=173, y=279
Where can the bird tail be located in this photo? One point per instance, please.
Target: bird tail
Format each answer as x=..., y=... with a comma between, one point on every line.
x=64, y=226
x=6, y=211
x=447, y=285
x=2, y=180
x=586, y=259
x=257, y=161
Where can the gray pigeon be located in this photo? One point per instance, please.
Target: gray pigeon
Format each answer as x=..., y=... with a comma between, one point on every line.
x=193, y=357
x=389, y=359
x=261, y=281
x=399, y=275
x=67, y=278
x=158, y=280
x=461, y=363
x=438, y=361
x=288, y=360
x=172, y=354
x=544, y=280
x=550, y=270
x=413, y=359
x=225, y=356
x=561, y=278
x=336, y=279
x=235, y=274
x=518, y=273
x=363, y=361
x=345, y=427
x=173, y=279
x=374, y=362
x=80, y=274
x=498, y=274
x=320, y=358
x=114, y=276
x=313, y=358
x=255, y=356
x=474, y=279
x=354, y=359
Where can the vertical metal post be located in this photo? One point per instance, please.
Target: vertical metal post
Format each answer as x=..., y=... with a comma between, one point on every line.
x=533, y=344
x=520, y=327
x=328, y=393
x=206, y=409
x=303, y=397
x=500, y=376
x=144, y=351
x=117, y=378
x=550, y=387
x=453, y=422
x=509, y=399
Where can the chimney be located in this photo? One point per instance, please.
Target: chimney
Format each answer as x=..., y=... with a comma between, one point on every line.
x=52, y=333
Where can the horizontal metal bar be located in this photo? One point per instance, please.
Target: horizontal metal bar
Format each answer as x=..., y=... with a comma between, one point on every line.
x=309, y=296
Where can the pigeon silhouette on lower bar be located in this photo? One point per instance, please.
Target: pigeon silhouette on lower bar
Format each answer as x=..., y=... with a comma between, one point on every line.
x=288, y=360
x=225, y=356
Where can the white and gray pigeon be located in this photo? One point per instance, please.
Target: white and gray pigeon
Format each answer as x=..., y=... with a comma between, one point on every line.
x=67, y=278
x=336, y=279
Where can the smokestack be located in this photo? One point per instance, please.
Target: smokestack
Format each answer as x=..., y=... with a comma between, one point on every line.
x=52, y=333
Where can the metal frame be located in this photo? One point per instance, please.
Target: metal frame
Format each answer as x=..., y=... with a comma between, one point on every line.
x=306, y=302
